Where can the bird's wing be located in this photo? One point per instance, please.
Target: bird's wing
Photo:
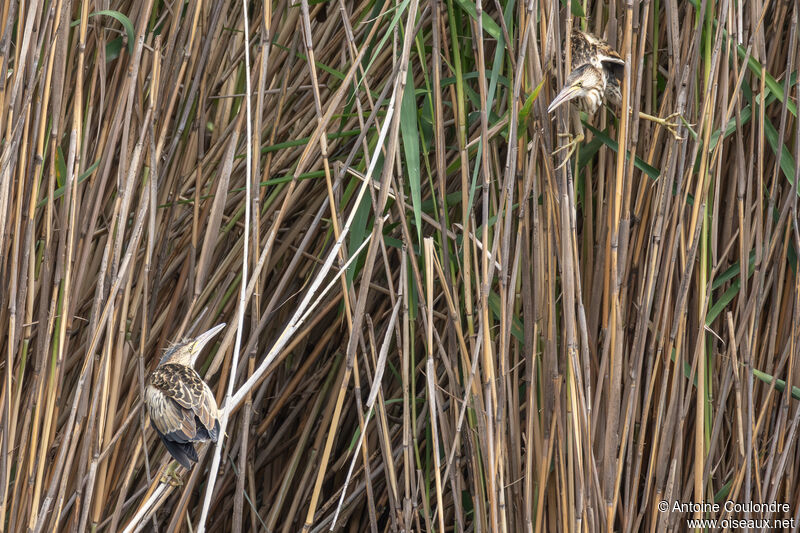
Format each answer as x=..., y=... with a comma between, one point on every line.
x=582, y=49
x=610, y=56
x=172, y=421
x=183, y=452
x=188, y=390
x=588, y=37
x=586, y=48
x=211, y=411
x=606, y=54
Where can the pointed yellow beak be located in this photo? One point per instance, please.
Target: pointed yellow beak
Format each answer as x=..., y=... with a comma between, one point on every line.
x=201, y=340
x=567, y=93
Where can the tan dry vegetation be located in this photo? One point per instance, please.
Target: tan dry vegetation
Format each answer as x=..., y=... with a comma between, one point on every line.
x=523, y=348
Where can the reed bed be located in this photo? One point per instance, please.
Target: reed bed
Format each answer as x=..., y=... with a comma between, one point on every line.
x=432, y=325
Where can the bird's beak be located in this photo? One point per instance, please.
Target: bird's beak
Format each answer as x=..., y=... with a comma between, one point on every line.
x=567, y=93
x=202, y=339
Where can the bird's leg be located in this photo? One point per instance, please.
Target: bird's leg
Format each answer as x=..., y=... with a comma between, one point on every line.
x=666, y=122
x=170, y=476
x=571, y=146
x=574, y=142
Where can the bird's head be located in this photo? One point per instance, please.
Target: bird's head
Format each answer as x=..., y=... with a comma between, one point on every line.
x=586, y=83
x=186, y=351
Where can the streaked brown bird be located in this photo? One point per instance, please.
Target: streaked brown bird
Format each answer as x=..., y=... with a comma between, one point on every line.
x=595, y=79
x=596, y=71
x=181, y=406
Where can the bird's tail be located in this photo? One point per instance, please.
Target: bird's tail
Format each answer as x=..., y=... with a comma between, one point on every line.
x=183, y=452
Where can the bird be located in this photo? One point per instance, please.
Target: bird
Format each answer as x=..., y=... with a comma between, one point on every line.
x=594, y=79
x=597, y=70
x=588, y=85
x=181, y=406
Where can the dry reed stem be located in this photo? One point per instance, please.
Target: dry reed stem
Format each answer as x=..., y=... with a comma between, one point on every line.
x=436, y=328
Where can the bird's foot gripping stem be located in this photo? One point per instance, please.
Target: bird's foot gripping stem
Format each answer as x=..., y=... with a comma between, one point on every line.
x=570, y=146
x=670, y=123
x=170, y=475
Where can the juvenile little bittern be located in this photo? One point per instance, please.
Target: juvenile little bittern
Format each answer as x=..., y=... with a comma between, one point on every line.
x=595, y=78
x=588, y=49
x=181, y=406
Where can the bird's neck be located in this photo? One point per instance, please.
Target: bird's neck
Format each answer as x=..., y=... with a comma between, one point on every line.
x=591, y=102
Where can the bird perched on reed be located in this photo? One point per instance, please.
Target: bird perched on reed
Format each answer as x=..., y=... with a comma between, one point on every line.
x=595, y=78
x=181, y=406
x=596, y=71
